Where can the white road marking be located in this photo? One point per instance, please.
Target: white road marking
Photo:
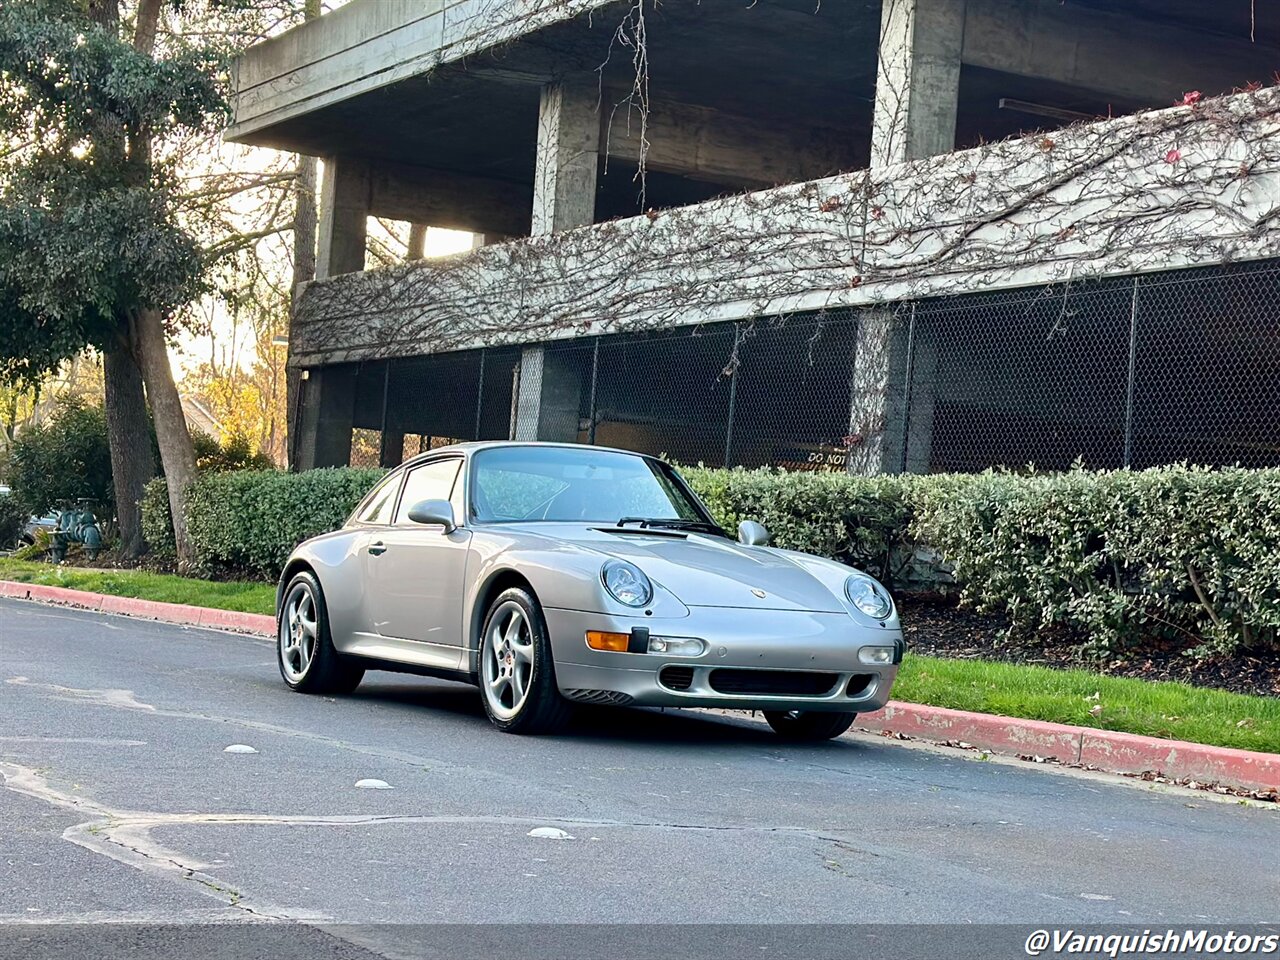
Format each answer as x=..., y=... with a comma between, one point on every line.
x=107, y=698
x=95, y=741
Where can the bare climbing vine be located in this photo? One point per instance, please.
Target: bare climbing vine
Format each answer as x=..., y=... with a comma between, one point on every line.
x=1199, y=183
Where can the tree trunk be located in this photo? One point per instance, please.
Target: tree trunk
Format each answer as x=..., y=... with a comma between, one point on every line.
x=128, y=429
x=144, y=35
x=128, y=434
x=176, y=452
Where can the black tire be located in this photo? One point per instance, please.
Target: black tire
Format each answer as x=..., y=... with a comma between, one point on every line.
x=326, y=671
x=808, y=726
x=542, y=710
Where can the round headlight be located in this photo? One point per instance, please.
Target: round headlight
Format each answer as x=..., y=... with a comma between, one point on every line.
x=626, y=583
x=868, y=596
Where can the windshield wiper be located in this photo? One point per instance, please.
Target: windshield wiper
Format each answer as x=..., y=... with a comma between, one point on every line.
x=658, y=523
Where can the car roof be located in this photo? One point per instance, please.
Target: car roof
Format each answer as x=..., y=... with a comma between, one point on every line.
x=473, y=446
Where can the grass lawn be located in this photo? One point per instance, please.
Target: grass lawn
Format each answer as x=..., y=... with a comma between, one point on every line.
x=1038, y=693
x=1156, y=709
x=241, y=597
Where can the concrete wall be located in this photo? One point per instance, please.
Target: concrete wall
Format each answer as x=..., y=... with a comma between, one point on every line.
x=1167, y=189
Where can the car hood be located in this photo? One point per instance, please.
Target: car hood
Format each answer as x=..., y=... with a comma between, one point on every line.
x=707, y=571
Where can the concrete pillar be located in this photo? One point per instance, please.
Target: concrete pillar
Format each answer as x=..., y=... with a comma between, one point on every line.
x=549, y=402
x=894, y=388
x=918, y=80
x=328, y=416
x=391, y=448
x=344, y=211
x=564, y=185
x=922, y=400
x=878, y=395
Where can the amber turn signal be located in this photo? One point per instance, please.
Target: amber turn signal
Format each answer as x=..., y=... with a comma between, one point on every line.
x=616, y=642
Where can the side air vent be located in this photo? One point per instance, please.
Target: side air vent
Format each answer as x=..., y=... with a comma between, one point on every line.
x=676, y=678
x=604, y=698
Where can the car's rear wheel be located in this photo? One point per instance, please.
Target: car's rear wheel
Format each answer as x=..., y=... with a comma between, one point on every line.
x=517, y=673
x=304, y=645
x=808, y=726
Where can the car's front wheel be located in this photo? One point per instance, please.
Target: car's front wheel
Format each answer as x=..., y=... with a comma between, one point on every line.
x=517, y=673
x=304, y=645
x=807, y=726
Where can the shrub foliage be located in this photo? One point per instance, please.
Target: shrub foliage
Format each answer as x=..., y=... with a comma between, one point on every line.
x=1183, y=552
x=1117, y=557
x=63, y=460
x=250, y=520
x=13, y=517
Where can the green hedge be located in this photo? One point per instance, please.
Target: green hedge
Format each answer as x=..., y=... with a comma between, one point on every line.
x=1175, y=551
x=862, y=521
x=248, y=521
x=157, y=520
x=1119, y=557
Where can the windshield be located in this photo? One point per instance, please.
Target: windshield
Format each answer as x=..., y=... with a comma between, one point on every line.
x=576, y=485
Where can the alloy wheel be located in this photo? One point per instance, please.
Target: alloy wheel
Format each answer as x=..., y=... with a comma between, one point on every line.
x=507, y=660
x=299, y=632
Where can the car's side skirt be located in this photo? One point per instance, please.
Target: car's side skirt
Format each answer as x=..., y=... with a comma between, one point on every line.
x=408, y=653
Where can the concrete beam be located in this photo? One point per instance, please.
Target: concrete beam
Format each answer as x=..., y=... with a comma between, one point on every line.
x=564, y=188
x=368, y=44
x=455, y=201
x=706, y=144
x=918, y=80
x=1109, y=53
x=344, y=212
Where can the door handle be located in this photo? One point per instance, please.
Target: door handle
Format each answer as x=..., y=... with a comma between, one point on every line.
x=378, y=549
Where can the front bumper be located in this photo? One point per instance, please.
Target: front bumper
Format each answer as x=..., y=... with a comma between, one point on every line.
x=750, y=649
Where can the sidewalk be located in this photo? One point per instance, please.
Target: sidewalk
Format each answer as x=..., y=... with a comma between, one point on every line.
x=1098, y=749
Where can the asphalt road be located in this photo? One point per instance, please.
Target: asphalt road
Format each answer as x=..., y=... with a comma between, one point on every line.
x=121, y=804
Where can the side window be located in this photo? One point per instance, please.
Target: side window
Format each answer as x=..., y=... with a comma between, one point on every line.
x=378, y=505
x=431, y=481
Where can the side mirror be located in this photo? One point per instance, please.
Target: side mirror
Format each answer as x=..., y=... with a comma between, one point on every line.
x=753, y=534
x=434, y=512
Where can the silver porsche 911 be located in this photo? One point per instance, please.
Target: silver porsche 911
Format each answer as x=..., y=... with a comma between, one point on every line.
x=549, y=574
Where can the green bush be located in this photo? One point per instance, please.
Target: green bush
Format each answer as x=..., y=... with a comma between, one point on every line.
x=862, y=521
x=13, y=517
x=250, y=520
x=157, y=520
x=235, y=453
x=1187, y=553
x=64, y=460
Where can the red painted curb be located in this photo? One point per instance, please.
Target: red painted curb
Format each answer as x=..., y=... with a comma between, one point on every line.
x=1103, y=749
x=1126, y=753
x=231, y=620
x=997, y=734
x=63, y=595
x=179, y=613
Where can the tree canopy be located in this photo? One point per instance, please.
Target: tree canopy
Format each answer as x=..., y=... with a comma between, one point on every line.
x=88, y=232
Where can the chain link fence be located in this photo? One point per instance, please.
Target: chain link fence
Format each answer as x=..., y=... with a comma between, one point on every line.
x=1133, y=371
